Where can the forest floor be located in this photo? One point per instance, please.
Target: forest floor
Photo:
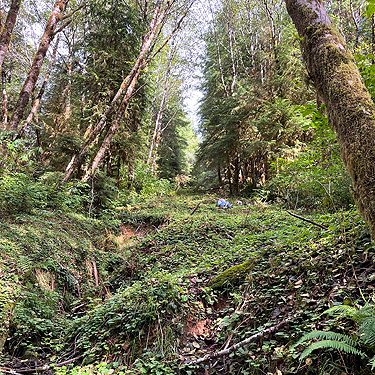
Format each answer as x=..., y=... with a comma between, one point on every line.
x=154, y=288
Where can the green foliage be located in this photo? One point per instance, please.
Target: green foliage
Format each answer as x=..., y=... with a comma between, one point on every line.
x=365, y=317
x=370, y=8
x=148, y=186
x=151, y=295
x=316, y=179
x=367, y=68
x=19, y=193
x=128, y=316
x=18, y=155
x=329, y=340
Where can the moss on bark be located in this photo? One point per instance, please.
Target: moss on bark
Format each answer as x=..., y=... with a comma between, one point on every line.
x=349, y=107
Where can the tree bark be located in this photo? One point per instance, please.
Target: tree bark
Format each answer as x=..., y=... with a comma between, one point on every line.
x=7, y=29
x=159, y=118
x=113, y=128
x=4, y=105
x=218, y=51
x=32, y=76
x=40, y=94
x=349, y=107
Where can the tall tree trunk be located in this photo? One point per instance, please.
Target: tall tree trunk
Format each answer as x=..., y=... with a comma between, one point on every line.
x=111, y=132
x=159, y=118
x=32, y=76
x=349, y=107
x=219, y=178
x=157, y=19
x=40, y=94
x=218, y=51
x=236, y=177
x=355, y=22
x=4, y=120
x=229, y=177
x=68, y=89
x=7, y=29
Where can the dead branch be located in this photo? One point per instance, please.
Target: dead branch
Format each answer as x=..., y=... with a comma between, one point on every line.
x=40, y=368
x=307, y=220
x=196, y=207
x=240, y=344
x=96, y=276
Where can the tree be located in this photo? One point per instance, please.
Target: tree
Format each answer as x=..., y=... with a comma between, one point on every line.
x=349, y=107
x=160, y=14
x=32, y=77
x=7, y=29
x=249, y=111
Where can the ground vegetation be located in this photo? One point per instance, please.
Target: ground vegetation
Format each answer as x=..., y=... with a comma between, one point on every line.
x=115, y=257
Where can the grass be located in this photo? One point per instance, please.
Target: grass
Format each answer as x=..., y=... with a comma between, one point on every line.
x=147, y=307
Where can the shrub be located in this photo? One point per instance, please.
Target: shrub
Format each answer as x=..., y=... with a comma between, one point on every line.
x=19, y=193
x=316, y=179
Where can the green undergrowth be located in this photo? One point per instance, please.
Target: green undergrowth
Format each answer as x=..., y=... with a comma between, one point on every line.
x=184, y=286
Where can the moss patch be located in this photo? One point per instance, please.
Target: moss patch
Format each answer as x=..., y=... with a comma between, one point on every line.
x=232, y=276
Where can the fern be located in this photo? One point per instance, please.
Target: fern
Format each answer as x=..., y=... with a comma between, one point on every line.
x=333, y=344
x=329, y=336
x=342, y=310
x=372, y=363
x=367, y=311
x=25, y=264
x=365, y=317
x=367, y=330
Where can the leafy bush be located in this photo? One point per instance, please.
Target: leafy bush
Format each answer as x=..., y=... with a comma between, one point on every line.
x=16, y=155
x=127, y=317
x=19, y=193
x=316, y=179
x=146, y=184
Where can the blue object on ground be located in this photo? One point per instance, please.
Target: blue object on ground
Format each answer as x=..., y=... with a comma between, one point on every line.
x=222, y=203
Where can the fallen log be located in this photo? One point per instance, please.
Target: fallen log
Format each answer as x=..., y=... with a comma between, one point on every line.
x=235, y=347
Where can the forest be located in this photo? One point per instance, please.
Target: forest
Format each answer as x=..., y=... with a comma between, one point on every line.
x=187, y=187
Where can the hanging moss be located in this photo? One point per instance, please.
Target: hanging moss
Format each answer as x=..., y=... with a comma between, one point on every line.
x=232, y=276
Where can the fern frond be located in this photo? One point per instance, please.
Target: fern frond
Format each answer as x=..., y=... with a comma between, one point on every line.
x=332, y=344
x=25, y=264
x=372, y=362
x=327, y=335
x=342, y=310
x=367, y=311
x=367, y=330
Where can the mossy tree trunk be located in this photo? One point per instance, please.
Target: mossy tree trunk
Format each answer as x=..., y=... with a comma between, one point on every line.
x=349, y=107
x=32, y=77
x=7, y=29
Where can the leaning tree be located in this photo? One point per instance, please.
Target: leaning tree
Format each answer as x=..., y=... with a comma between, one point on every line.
x=349, y=107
